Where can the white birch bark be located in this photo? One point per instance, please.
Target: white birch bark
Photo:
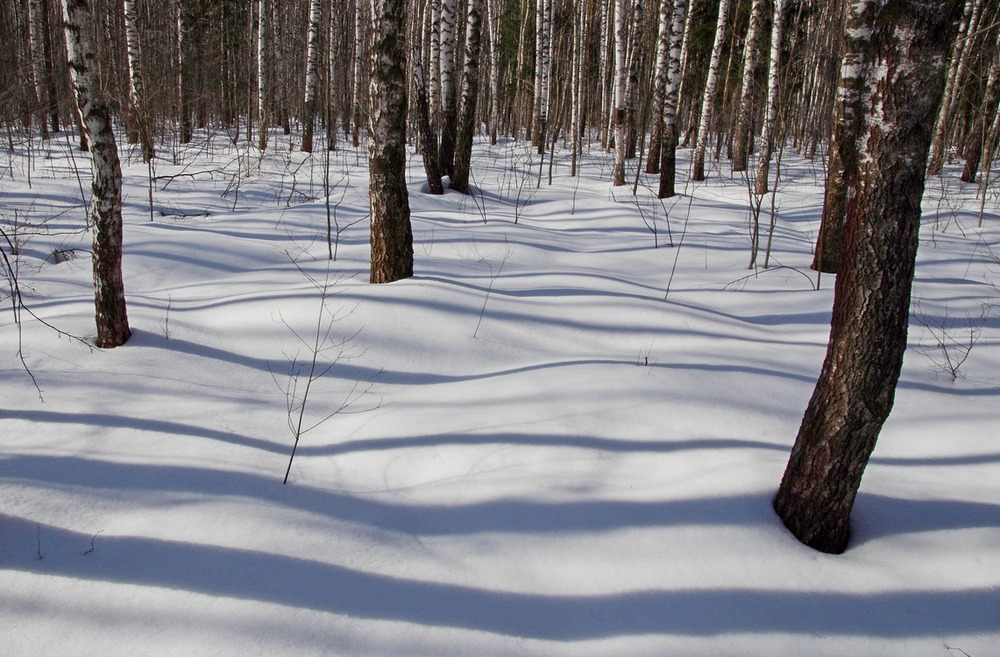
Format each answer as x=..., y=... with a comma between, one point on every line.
x=137, y=95
x=952, y=83
x=470, y=93
x=708, y=98
x=579, y=57
x=106, y=200
x=671, y=99
x=543, y=71
x=359, y=53
x=446, y=63
x=771, y=109
x=434, y=60
x=621, y=89
x=493, y=32
x=312, y=76
x=183, y=109
x=744, y=117
x=663, y=26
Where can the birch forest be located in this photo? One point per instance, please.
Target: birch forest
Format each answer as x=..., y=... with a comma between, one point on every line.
x=735, y=80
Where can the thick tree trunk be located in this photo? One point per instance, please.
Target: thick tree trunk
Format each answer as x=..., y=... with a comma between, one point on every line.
x=449, y=100
x=708, y=98
x=659, y=84
x=470, y=93
x=855, y=390
x=106, y=201
x=391, y=234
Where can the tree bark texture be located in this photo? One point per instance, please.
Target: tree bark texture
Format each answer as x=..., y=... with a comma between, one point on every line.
x=767, y=137
x=470, y=93
x=106, y=201
x=856, y=386
x=742, y=142
x=391, y=234
x=842, y=168
x=708, y=99
x=668, y=148
x=312, y=76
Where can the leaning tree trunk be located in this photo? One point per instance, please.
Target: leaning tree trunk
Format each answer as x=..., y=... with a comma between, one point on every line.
x=842, y=169
x=708, y=99
x=671, y=97
x=771, y=110
x=470, y=92
x=854, y=393
x=391, y=234
x=106, y=200
x=312, y=77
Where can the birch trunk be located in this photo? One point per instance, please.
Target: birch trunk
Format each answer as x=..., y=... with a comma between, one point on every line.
x=391, y=233
x=183, y=63
x=842, y=169
x=980, y=133
x=470, y=93
x=660, y=83
x=493, y=32
x=708, y=98
x=671, y=98
x=37, y=26
x=773, y=92
x=543, y=72
x=106, y=200
x=312, y=76
x=449, y=105
x=855, y=390
x=743, y=144
x=262, y=50
x=359, y=54
x=621, y=90
x=137, y=94
x=428, y=138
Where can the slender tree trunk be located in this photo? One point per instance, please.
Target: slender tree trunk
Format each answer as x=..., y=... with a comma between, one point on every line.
x=106, y=201
x=668, y=151
x=708, y=98
x=262, y=89
x=428, y=138
x=659, y=84
x=449, y=101
x=359, y=53
x=37, y=26
x=773, y=92
x=855, y=390
x=980, y=133
x=312, y=76
x=470, y=93
x=391, y=234
x=743, y=144
x=183, y=64
x=493, y=32
x=137, y=93
x=543, y=72
x=956, y=65
x=842, y=168
x=621, y=90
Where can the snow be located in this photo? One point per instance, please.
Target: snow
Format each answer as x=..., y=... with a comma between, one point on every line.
x=556, y=455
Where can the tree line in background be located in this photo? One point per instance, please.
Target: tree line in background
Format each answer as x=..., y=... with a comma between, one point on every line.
x=887, y=90
x=728, y=77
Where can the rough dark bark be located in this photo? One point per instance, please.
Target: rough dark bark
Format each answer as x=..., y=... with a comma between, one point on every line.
x=391, y=234
x=106, y=201
x=856, y=387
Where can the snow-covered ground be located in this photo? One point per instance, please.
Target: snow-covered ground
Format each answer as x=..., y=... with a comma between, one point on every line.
x=560, y=440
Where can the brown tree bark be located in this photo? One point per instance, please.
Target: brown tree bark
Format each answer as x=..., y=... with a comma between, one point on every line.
x=856, y=387
x=391, y=234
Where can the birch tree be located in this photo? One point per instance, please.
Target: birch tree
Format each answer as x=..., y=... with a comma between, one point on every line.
x=106, y=199
x=903, y=79
x=446, y=150
x=262, y=90
x=742, y=143
x=137, y=94
x=183, y=63
x=391, y=233
x=671, y=95
x=767, y=136
x=621, y=89
x=312, y=75
x=425, y=132
x=470, y=93
x=37, y=26
x=843, y=158
x=708, y=98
